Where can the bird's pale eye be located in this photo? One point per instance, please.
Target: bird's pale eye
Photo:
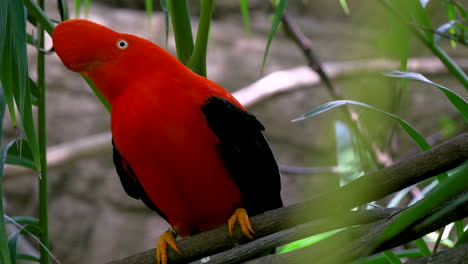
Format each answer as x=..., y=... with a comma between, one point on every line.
x=122, y=44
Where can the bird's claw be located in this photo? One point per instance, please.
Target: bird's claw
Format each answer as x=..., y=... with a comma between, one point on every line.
x=240, y=216
x=167, y=238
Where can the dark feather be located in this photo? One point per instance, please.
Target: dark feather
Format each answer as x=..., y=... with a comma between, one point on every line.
x=246, y=154
x=130, y=182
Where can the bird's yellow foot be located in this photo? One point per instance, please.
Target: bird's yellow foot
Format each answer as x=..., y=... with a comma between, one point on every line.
x=167, y=238
x=240, y=216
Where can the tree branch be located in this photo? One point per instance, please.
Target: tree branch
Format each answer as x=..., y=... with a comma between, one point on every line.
x=273, y=232
x=401, y=175
x=454, y=255
x=355, y=242
x=255, y=248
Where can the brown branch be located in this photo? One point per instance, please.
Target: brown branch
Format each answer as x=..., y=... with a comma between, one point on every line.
x=384, y=182
x=356, y=242
x=253, y=249
x=276, y=223
x=454, y=255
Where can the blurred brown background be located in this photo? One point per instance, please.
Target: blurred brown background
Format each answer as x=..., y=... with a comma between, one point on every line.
x=92, y=220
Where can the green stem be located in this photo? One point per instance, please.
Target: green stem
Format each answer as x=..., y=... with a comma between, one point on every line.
x=197, y=61
x=97, y=93
x=37, y=12
x=43, y=211
x=449, y=63
x=182, y=28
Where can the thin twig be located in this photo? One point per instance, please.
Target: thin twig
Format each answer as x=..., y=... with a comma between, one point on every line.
x=439, y=238
x=307, y=170
x=305, y=44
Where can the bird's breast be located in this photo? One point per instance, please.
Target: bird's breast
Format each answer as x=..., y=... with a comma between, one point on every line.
x=173, y=152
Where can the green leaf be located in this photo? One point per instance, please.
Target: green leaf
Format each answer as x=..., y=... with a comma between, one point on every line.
x=3, y=155
x=461, y=9
x=306, y=241
x=3, y=25
x=2, y=111
x=29, y=225
x=423, y=247
x=463, y=239
x=63, y=9
x=455, y=99
x=6, y=71
x=280, y=8
x=12, y=241
x=21, y=161
x=345, y=6
x=4, y=249
x=244, y=5
x=4, y=252
x=459, y=225
x=446, y=190
x=18, y=76
x=23, y=220
x=21, y=154
x=380, y=259
x=451, y=15
x=77, y=8
x=165, y=10
x=449, y=207
x=413, y=133
x=33, y=88
x=87, y=5
x=417, y=12
x=27, y=257
x=149, y=12
x=32, y=236
x=391, y=257
x=97, y=93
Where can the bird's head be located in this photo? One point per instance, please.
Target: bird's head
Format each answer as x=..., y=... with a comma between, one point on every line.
x=112, y=60
x=83, y=45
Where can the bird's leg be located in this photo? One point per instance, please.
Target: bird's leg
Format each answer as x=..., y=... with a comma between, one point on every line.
x=240, y=216
x=167, y=238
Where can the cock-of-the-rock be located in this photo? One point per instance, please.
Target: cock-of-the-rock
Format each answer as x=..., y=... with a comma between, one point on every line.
x=182, y=144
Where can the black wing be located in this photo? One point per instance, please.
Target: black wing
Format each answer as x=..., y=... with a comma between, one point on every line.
x=130, y=182
x=246, y=155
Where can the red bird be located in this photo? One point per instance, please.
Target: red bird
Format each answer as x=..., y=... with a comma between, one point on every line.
x=182, y=144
